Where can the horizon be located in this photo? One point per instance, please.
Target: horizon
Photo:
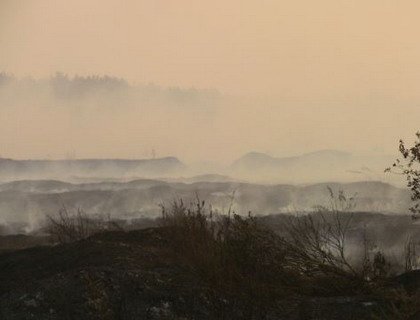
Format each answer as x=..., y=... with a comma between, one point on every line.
x=74, y=156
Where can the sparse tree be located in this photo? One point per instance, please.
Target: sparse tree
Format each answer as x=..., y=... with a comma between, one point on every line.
x=409, y=166
x=319, y=239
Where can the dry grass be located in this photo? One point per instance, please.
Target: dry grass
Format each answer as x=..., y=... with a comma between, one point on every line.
x=68, y=227
x=242, y=263
x=249, y=270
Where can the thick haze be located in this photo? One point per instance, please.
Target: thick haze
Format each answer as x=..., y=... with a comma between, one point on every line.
x=282, y=77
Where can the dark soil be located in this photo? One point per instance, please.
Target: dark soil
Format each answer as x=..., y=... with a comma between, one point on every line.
x=130, y=275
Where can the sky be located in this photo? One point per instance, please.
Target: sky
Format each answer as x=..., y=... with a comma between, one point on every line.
x=297, y=75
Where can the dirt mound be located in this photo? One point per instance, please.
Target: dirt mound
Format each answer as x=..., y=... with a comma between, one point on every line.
x=129, y=275
x=109, y=276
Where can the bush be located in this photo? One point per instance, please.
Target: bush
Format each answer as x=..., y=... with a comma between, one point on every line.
x=68, y=227
x=250, y=272
x=242, y=263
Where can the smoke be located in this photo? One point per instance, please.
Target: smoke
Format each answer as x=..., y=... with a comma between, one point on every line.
x=100, y=117
x=318, y=75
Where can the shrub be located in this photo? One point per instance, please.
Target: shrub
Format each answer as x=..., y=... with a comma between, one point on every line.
x=68, y=227
x=249, y=270
x=242, y=263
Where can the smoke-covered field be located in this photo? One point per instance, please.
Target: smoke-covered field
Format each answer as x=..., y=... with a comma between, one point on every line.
x=26, y=204
x=131, y=187
x=209, y=160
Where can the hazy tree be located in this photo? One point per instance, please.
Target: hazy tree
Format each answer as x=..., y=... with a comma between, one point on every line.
x=5, y=78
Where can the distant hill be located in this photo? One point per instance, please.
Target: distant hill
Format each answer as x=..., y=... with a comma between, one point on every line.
x=323, y=165
x=50, y=169
x=256, y=160
x=205, y=178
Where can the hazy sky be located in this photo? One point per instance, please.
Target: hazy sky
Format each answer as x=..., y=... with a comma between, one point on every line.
x=306, y=74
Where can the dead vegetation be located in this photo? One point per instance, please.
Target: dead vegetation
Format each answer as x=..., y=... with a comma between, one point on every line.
x=261, y=270
x=242, y=264
x=69, y=226
x=249, y=271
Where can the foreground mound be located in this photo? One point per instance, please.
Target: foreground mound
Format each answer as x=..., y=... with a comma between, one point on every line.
x=135, y=275
x=114, y=275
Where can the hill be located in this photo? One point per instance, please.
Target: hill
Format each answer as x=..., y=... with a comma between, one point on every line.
x=322, y=165
x=257, y=159
x=66, y=169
